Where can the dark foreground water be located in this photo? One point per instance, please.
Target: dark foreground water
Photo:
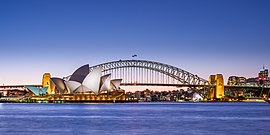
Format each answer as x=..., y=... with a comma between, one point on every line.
x=132, y=119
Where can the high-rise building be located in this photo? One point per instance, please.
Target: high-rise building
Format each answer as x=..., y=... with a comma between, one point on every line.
x=263, y=74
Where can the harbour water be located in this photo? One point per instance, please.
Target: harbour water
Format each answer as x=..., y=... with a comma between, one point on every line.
x=135, y=119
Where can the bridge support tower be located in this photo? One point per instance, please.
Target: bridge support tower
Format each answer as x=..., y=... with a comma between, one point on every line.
x=216, y=92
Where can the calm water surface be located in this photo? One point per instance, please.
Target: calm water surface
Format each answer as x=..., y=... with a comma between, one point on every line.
x=137, y=118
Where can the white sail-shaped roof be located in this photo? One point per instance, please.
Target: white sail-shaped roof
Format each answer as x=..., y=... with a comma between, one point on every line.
x=82, y=88
x=72, y=85
x=37, y=91
x=80, y=74
x=60, y=85
x=92, y=80
x=105, y=83
x=84, y=81
x=115, y=84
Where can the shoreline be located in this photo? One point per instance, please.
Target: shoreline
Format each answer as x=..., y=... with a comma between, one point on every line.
x=116, y=102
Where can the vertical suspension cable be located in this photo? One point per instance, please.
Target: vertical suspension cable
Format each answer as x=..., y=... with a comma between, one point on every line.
x=122, y=73
x=168, y=79
x=149, y=76
x=126, y=75
x=164, y=78
x=153, y=78
x=142, y=75
x=135, y=75
x=147, y=80
x=157, y=77
x=115, y=73
x=139, y=75
x=118, y=73
x=131, y=74
x=153, y=75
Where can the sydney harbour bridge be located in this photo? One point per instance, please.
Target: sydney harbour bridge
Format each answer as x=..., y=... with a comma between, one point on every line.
x=150, y=73
x=142, y=72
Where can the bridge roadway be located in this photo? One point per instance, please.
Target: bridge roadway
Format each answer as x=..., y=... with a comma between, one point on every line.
x=188, y=85
x=16, y=87
x=158, y=84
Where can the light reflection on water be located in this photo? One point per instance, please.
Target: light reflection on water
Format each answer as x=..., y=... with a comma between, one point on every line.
x=142, y=118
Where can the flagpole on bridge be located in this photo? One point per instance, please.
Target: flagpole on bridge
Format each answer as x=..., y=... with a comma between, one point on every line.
x=133, y=56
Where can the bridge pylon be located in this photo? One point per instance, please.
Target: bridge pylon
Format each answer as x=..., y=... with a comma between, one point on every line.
x=217, y=91
x=46, y=82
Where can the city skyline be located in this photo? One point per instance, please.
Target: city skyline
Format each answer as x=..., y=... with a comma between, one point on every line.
x=202, y=37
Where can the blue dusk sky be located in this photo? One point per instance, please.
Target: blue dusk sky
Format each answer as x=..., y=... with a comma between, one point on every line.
x=204, y=37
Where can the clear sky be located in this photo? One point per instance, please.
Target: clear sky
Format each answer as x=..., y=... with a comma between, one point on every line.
x=204, y=37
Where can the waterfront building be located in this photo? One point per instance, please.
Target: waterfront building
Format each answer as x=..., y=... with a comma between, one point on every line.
x=197, y=97
x=235, y=80
x=13, y=91
x=82, y=85
x=168, y=96
x=242, y=81
x=36, y=91
x=252, y=81
x=82, y=81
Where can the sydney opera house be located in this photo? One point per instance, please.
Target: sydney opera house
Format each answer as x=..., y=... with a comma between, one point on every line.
x=82, y=86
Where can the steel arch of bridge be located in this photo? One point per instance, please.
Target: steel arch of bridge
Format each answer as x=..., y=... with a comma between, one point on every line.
x=178, y=74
